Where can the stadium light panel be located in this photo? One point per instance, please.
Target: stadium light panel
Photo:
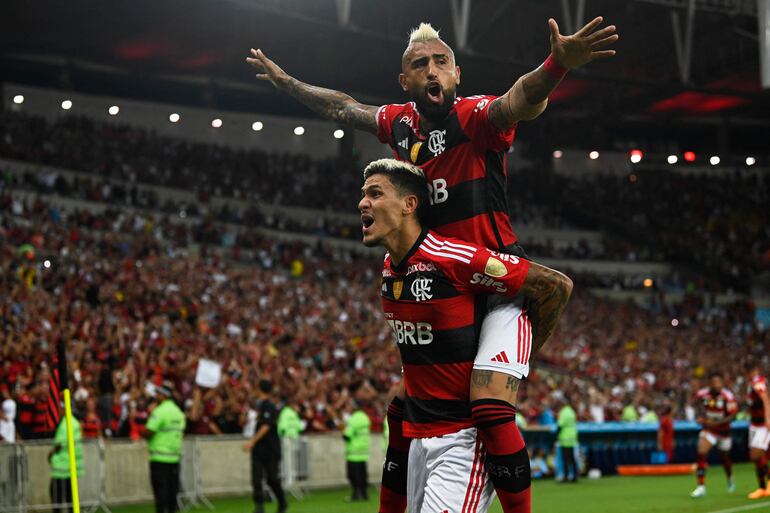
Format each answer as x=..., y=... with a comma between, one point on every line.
x=593, y=155
x=689, y=156
x=339, y=134
x=216, y=123
x=299, y=130
x=750, y=161
x=257, y=126
x=18, y=99
x=557, y=154
x=672, y=159
x=174, y=117
x=114, y=110
x=66, y=104
x=714, y=160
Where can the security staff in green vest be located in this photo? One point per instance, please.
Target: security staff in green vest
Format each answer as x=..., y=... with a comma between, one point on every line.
x=567, y=436
x=61, y=488
x=289, y=422
x=164, y=432
x=357, y=437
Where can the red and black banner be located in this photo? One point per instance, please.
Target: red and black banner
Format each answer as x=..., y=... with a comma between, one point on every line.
x=56, y=385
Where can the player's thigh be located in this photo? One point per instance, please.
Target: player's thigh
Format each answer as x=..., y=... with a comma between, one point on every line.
x=759, y=439
x=417, y=476
x=457, y=479
x=706, y=441
x=505, y=342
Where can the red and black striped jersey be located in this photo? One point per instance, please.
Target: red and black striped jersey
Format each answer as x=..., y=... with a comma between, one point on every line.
x=91, y=426
x=757, y=388
x=464, y=162
x=435, y=300
x=717, y=406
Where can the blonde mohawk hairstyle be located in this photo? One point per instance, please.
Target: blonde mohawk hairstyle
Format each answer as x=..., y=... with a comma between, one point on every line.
x=425, y=32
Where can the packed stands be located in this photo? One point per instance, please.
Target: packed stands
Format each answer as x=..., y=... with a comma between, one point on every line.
x=134, y=304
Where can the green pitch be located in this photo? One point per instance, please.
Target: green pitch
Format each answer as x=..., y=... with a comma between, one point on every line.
x=669, y=494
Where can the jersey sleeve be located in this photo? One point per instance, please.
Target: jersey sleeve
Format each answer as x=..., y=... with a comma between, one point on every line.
x=473, y=114
x=385, y=116
x=759, y=386
x=488, y=271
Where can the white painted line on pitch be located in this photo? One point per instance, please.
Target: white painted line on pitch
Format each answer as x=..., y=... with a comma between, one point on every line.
x=743, y=508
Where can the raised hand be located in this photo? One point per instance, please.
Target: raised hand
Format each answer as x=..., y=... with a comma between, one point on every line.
x=268, y=70
x=583, y=46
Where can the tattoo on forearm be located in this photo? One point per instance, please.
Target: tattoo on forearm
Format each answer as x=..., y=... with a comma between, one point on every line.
x=538, y=84
x=481, y=378
x=525, y=100
x=334, y=105
x=550, y=291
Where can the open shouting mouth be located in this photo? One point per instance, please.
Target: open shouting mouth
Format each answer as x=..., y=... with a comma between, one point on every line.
x=434, y=93
x=367, y=220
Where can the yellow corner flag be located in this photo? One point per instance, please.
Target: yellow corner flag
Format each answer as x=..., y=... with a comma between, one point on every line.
x=71, y=451
x=59, y=384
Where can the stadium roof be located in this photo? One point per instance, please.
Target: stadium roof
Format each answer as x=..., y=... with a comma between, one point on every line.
x=193, y=51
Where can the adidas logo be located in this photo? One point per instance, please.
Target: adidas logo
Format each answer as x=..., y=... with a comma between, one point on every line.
x=404, y=144
x=501, y=357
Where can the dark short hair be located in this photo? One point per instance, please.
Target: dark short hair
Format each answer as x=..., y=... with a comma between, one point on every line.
x=406, y=178
x=716, y=374
x=265, y=386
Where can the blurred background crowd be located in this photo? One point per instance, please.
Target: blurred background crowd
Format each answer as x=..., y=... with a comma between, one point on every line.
x=146, y=286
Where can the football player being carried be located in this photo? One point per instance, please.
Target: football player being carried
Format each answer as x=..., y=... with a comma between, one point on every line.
x=716, y=408
x=759, y=429
x=461, y=144
x=434, y=292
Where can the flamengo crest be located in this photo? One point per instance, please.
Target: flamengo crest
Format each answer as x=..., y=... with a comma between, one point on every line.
x=421, y=289
x=437, y=142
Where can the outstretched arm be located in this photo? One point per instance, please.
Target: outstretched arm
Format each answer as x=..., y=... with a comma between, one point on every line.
x=548, y=292
x=330, y=104
x=528, y=97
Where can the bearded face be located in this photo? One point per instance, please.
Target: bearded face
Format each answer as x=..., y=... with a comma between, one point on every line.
x=430, y=77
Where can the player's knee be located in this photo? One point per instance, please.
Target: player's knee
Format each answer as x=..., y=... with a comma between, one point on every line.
x=496, y=424
x=491, y=412
x=487, y=384
x=510, y=472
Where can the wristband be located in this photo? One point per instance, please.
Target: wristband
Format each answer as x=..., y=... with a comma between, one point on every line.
x=553, y=68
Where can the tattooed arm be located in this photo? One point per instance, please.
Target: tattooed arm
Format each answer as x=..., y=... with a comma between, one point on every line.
x=528, y=97
x=330, y=104
x=548, y=292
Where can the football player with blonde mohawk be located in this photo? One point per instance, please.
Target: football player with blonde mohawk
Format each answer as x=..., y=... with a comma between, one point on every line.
x=461, y=143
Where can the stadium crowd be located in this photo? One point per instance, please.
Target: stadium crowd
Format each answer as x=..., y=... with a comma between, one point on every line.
x=692, y=221
x=136, y=305
x=148, y=200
